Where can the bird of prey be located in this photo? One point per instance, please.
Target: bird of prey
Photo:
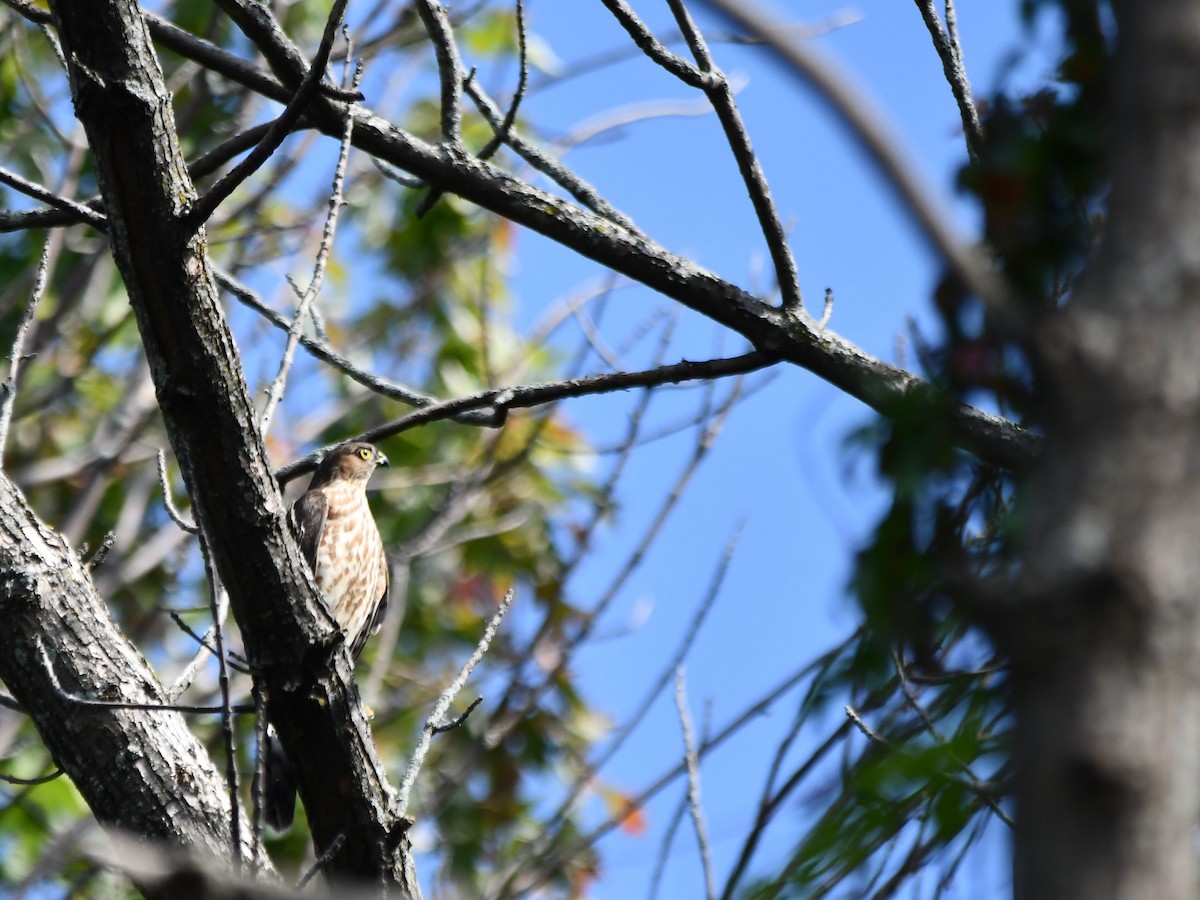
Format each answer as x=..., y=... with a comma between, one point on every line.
x=340, y=541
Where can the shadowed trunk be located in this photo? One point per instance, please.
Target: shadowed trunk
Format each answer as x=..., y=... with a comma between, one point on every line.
x=1107, y=644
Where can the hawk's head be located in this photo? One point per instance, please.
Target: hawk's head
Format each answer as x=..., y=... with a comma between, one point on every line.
x=354, y=461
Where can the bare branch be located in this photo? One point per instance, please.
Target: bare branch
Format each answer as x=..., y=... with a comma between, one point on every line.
x=827, y=312
x=436, y=718
x=303, y=308
x=629, y=725
x=949, y=50
x=525, y=396
x=165, y=481
x=867, y=125
x=588, y=839
x=584, y=193
x=502, y=132
x=831, y=357
x=205, y=206
x=37, y=192
x=653, y=48
x=322, y=861
x=185, y=678
x=510, y=117
x=8, y=390
x=457, y=721
x=322, y=350
x=75, y=699
x=719, y=93
x=227, y=731
x=692, y=761
x=450, y=70
x=41, y=779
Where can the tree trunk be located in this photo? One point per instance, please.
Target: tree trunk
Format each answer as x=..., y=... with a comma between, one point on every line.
x=141, y=771
x=1107, y=645
x=290, y=637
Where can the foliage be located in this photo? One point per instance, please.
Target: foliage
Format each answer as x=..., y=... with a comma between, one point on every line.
x=927, y=780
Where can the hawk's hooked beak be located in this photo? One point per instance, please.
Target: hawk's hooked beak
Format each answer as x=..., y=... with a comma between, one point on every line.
x=380, y=459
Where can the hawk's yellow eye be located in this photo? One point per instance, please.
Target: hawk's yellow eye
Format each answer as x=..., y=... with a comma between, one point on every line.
x=364, y=453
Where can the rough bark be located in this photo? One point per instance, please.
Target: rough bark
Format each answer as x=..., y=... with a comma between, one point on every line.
x=140, y=771
x=1107, y=646
x=120, y=98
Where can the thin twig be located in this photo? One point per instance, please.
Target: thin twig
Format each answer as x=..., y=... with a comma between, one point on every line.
x=692, y=760
x=866, y=124
x=206, y=205
x=176, y=516
x=524, y=396
x=436, y=718
x=457, y=722
x=227, y=731
x=629, y=725
x=721, y=96
x=65, y=695
x=771, y=800
x=703, y=444
x=106, y=544
x=206, y=649
x=258, y=785
x=8, y=390
x=827, y=312
x=32, y=189
x=41, y=779
x=664, y=850
x=275, y=393
x=582, y=191
x=591, y=837
x=322, y=861
x=949, y=51
x=450, y=70
x=322, y=350
x=510, y=117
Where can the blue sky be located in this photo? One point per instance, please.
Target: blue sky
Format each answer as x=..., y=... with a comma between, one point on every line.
x=781, y=465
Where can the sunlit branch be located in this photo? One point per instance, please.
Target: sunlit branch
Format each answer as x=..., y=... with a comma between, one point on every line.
x=524, y=396
x=437, y=718
x=16, y=354
x=721, y=96
x=450, y=70
x=949, y=51
x=692, y=761
x=309, y=297
x=866, y=124
x=584, y=193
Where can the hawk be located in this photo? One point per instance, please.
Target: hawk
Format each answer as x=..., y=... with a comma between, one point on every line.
x=340, y=541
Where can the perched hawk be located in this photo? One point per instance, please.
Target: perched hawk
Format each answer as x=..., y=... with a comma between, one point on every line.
x=339, y=539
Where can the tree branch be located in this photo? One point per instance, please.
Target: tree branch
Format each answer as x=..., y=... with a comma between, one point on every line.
x=47, y=598
x=527, y=395
x=827, y=355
